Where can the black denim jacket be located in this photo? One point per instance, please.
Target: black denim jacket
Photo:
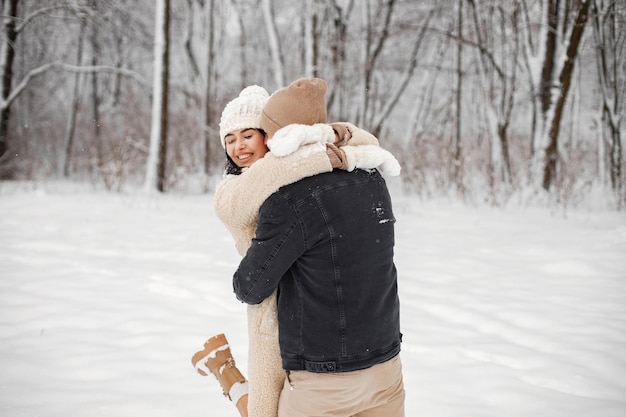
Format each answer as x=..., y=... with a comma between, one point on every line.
x=326, y=242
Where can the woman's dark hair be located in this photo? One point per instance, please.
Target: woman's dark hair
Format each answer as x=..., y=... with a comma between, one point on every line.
x=231, y=167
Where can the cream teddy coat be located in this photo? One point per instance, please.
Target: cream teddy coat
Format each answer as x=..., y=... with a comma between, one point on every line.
x=237, y=202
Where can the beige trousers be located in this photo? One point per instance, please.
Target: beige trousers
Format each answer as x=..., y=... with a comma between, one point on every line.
x=374, y=392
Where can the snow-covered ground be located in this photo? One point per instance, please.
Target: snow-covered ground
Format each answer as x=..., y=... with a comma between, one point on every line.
x=105, y=297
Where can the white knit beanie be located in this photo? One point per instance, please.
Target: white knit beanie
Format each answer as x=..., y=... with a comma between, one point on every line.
x=244, y=111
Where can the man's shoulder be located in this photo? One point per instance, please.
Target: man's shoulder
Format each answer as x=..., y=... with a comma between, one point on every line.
x=338, y=177
x=352, y=186
x=330, y=180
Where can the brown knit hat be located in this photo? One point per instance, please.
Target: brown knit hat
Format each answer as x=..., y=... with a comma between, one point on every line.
x=301, y=102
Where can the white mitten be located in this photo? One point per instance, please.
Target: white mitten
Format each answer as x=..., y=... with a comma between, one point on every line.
x=289, y=138
x=369, y=157
x=306, y=150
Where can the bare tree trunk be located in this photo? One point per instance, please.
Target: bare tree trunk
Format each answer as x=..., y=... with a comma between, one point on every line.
x=311, y=39
x=95, y=100
x=71, y=122
x=372, y=51
x=457, y=167
x=7, y=49
x=534, y=48
x=565, y=78
x=498, y=77
x=208, y=84
x=338, y=56
x=508, y=97
x=155, y=177
x=243, y=67
x=274, y=44
x=551, y=86
x=308, y=38
x=532, y=55
x=610, y=47
x=188, y=39
x=546, y=84
x=547, y=72
x=164, y=99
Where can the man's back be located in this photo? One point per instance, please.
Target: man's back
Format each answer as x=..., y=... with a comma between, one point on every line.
x=327, y=243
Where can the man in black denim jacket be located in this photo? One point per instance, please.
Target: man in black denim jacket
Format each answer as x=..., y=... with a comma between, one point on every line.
x=326, y=243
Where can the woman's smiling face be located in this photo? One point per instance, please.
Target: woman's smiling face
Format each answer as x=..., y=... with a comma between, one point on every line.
x=245, y=146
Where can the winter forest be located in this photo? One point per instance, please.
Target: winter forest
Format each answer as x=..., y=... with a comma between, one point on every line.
x=485, y=99
x=507, y=118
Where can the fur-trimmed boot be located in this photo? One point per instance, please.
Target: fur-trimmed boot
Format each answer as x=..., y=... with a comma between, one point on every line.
x=216, y=358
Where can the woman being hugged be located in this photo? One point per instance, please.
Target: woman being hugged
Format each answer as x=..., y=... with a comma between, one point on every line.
x=302, y=145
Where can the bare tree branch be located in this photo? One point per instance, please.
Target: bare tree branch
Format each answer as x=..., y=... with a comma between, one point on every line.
x=71, y=68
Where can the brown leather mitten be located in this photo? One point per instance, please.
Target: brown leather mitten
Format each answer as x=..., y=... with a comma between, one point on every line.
x=217, y=359
x=336, y=156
